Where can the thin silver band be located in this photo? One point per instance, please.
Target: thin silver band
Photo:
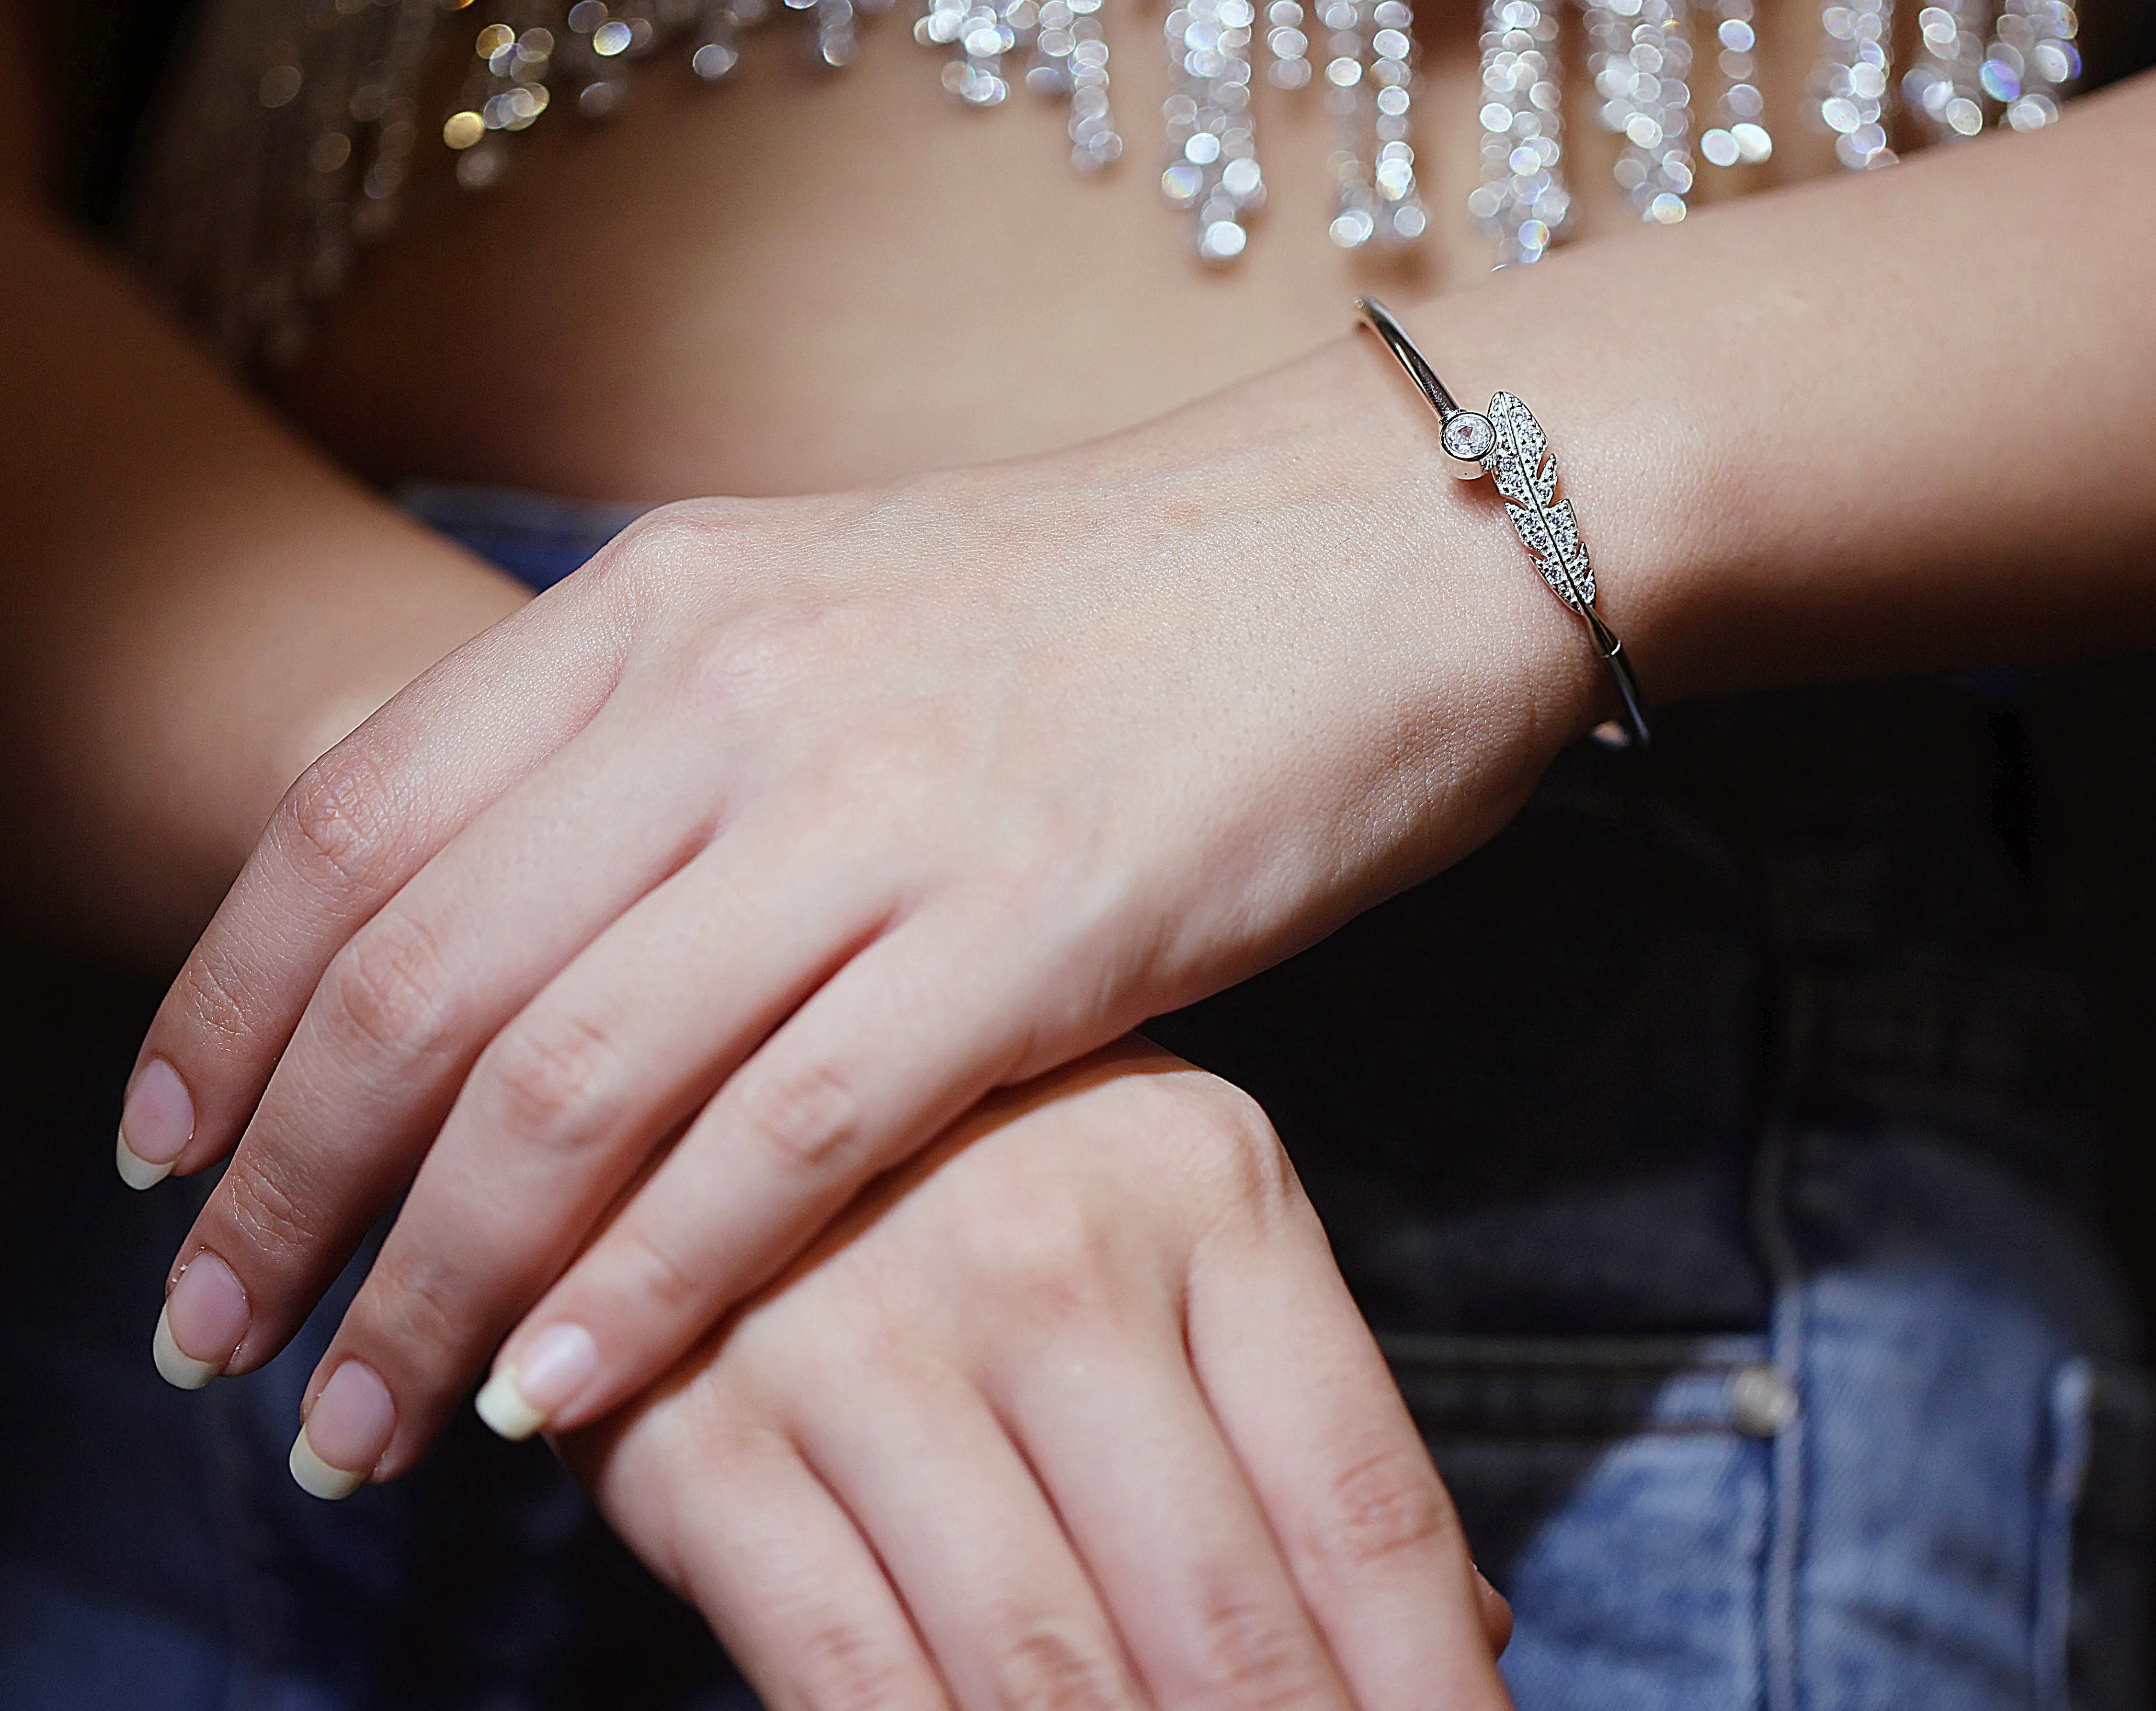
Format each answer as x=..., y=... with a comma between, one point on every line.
x=1509, y=445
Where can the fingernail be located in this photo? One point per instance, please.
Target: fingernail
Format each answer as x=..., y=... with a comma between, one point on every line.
x=521, y=1397
x=203, y=1319
x=346, y=1430
x=156, y=1125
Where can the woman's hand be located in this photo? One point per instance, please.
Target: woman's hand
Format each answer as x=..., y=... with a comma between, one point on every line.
x=786, y=831
x=1074, y=1412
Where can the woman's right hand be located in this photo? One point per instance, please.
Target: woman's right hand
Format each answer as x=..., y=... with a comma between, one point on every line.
x=1075, y=1414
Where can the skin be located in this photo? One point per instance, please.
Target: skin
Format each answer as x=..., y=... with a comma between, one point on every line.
x=798, y=862
x=875, y=1442
x=884, y=771
x=192, y=632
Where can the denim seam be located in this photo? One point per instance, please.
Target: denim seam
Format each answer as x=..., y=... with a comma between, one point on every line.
x=1776, y=1664
x=2069, y=1397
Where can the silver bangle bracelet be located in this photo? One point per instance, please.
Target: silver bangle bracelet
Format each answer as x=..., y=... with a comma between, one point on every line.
x=1509, y=444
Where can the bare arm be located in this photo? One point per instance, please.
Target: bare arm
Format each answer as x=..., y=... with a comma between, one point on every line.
x=1889, y=424
x=1165, y=708
x=197, y=605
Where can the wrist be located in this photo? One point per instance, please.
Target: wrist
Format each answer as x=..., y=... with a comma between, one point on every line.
x=1485, y=651
x=1379, y=571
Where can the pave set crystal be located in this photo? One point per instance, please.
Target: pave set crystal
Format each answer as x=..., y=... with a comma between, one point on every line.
x=299, y=121
x=1508, y=444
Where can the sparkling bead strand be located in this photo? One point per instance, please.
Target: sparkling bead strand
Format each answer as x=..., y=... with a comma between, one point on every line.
x=1523, y=201
x=1287, y=38
x=355, y=32
x=1851, y=82
x=254, y=293
x=1945, y=88
x=1739, y=135
x=1355, y=198
x=975, y=73
x=719, y=27
x=307, y=259
x=1070, y=59
x=835, y=39
x=1639, y=57
x=2032, y=61
x=506, y=91
x=1401, y=218
x=1095, y=141
x=603, y=43
x=1213, y=164
x=389, y=101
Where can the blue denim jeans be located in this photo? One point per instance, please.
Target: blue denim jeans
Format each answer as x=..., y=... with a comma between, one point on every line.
x=1709, y=1151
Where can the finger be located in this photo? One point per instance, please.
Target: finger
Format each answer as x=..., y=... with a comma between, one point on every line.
x=895, y=1045
x=406, y=1005
x=1169, y=1528
x=762, y=1548
x=1348, y=1488
x=571, y=1098
x=358, y=824
x=973, y=1547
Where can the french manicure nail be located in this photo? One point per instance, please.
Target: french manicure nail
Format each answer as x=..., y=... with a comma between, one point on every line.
x=522, y=1396
x=346, y=1430
x=156, y=1125
x=203, y=1319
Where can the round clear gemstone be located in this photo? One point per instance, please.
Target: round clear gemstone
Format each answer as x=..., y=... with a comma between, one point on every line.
x=1468, y=436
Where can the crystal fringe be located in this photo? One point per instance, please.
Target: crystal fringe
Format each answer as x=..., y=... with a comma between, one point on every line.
x=1639, y=57
x=1288, y=41
x=1369, y=73
x=1945, y=89
x=1739, y=135
x=298, y=121
x=1523, y=201
x=2032, y=61
x=1851, y=84
x=1212, y=165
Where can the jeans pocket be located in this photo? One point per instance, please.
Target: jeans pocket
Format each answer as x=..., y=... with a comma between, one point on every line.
x=1619, y=1490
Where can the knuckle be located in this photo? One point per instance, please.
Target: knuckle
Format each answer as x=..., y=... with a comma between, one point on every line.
x=1050, y=1669
x=1251, y=1657
x=1385, y=1504
x=209, y=997
x=841, y=1665
x=805, y=1117
x=1038, y=1248
x=752, y=662
x=658, y=1278
x=340, y=815
x=1053, y=1267
x=387, y=986
x=272, y=1221
x=654, y=550
x=1229, y=1147
x=417, y=1312
x=681, y=534
x=549, y=1078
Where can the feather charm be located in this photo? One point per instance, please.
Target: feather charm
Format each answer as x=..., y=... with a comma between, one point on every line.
x=1525, y=470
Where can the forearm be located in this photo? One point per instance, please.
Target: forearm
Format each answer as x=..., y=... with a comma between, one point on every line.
x=197, y=605
x=1901, y=422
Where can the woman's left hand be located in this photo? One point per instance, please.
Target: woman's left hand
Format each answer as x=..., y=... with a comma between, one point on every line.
x=1074, y=1415
x=789, y=829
